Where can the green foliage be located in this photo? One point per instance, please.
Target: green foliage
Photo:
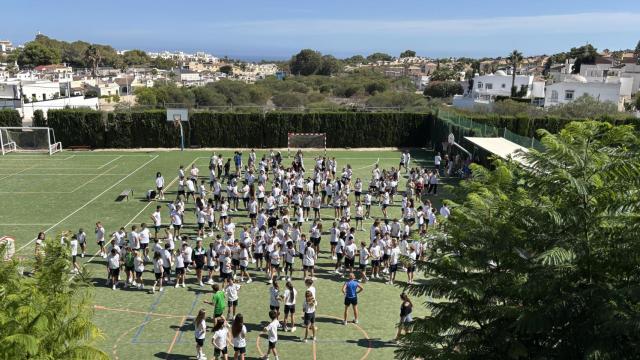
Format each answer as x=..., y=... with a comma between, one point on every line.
x=226, y=69
x=77, y=127
x=443, y=74
x=35, y=53
x=306, y=62
x=637, y=101
x=136, y=57
x=289, y=100
x=355, y=60
x=330, y=65
x=46, y=316
x=407, y=53
x=585, y=54
x=39, y=119
x=375, y=87
x=397, y=100
x=163, y=64
x=443, y=89
x=379, y=57
x=515, y=58
x=584, y=107
x=539, y=267
x=10, y=117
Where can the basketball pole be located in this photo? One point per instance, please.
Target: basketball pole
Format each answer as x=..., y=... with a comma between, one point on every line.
x=177, y=118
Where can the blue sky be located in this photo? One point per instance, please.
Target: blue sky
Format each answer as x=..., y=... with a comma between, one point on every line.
x=279, y=28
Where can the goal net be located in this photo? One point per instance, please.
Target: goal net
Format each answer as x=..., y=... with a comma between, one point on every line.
x=28, y=139
x=307, y=140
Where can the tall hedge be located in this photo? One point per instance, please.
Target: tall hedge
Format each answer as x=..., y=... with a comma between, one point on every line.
x=10, y=117
x=212, y=129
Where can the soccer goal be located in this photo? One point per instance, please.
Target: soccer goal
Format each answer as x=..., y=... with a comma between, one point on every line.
x=28, y=139
x=306, y=140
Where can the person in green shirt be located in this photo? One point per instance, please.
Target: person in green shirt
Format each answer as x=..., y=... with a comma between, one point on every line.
x=218, y=301
x=128, y=266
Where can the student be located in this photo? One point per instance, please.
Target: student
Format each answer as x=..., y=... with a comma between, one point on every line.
x=405, y=316
x=376, y=256
x=73, y=246
x=275, y=297
x=158, y=270
x=272, y=335
x=113, y=264
x=394, y=255
x=82, y=241
x=217, y=301
x=350, y=251
x=200, y=334
x=129, y=266
x=211, y=262
x=289, y=258
x=180, y=274
x=138, y=267
x=411, y=267
x=310, y=287
x=199, y=257
x=351, y=289
x=333, y=240
x=160, y=185
x=231, y=290
x=359, y=216
x=188, y=253
x=144, y=240
x=339, y=252
x=364, y=256
x=100, y=232
x=290, y=294
x=167, y=261
x=219, y=339
x=274, y=257
x=309, y=308
x=244, y=263
x=239, y=334
x=308, y=261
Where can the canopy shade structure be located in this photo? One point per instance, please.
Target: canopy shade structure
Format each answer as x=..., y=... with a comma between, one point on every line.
x=501, y=147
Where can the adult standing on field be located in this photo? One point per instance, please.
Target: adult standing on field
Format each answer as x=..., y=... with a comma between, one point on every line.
x=351, y=289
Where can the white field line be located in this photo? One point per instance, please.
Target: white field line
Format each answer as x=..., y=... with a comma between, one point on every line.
x=14, y=174
x=47, y=158
x=140, y=212
x=70, y=157
x=50, y=168
x=60, y=192
x=368, y=166
x=109, y=162
x=92, y=179
x=90, y=201
x=25, y=224
x=68, y=174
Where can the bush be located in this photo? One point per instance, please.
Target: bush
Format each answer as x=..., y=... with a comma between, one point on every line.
x=38, y=118
x=10, y=117
x=443, y=89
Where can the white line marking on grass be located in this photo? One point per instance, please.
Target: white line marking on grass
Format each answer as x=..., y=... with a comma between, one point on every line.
x=110, y=162
x=70, y=157
x=25, y=224
x=93, y=178
x=67, y=174
x=368, y=166
x=89, y=202
x=14, y=174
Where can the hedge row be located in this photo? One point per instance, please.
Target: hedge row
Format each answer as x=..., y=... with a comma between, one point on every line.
x=526, y=126
x=208, y=129
x=10, y=117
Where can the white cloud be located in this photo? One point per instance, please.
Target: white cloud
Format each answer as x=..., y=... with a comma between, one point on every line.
x=581, y=23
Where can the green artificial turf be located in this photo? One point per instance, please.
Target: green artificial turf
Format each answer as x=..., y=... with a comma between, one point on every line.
x=73, y=190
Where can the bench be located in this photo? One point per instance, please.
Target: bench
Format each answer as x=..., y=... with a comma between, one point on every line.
x=80, y=148
x=125, y=194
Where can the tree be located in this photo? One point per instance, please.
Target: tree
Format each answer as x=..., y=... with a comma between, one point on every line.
x=136, y=57
x=146, y=96
x=226, y=69
x=584, y=107
x=443, y=89
x=163, y=64
x=586, y=54
x=47, y=316
x=375, y=87
x=636, y=52
x=355, y=60
x=92, y=57
x=330, y=65
x=637, y=101
x=539, y=262
x=34, y=54
x=306, y=62
x=514, y=58
x=407, y=53
x=443, y=74
x=379, y=57
x=12, y=69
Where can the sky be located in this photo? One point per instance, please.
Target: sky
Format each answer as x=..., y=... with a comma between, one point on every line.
x=276, y=29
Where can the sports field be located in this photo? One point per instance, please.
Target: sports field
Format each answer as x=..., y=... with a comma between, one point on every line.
x=72, y=190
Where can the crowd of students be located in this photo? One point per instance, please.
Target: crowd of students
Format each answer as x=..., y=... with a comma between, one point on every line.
x=284, y=228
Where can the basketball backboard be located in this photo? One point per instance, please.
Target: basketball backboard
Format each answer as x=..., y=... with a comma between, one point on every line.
x=177, y=114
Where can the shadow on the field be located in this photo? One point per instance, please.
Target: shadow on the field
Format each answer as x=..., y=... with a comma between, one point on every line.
x=376, y=343
x=165, y=355
x=327, y=320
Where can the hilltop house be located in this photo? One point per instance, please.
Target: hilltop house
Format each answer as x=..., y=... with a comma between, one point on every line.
x=614, y=89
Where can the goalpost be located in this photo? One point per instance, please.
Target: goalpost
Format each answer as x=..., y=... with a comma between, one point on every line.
x=28, y=139
x=306, y=140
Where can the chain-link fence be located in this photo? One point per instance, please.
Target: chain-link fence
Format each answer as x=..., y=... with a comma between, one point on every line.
x=461, y=126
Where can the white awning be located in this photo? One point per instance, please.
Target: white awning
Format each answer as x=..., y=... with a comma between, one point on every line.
x=502, y=147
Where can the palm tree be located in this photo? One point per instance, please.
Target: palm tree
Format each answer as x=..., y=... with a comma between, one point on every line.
x=514, y=58
x=93, y=57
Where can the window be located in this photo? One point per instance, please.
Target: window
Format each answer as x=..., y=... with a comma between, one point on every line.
x=554, y=96
x=489, y=86
x=568, y=94
x=504, y=86
x=479, y=84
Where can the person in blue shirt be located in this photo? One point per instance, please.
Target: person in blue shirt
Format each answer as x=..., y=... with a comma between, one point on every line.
x=237, y=159
x=351, y=289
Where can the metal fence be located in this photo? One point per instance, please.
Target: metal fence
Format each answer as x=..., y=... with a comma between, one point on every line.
x=461, y=126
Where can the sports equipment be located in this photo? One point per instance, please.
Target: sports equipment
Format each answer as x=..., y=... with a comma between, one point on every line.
x=28, y=139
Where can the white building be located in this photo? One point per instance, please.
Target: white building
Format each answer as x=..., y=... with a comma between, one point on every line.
x=599, y=72
x=614, y=89
x=488, y=87
x=105, y=89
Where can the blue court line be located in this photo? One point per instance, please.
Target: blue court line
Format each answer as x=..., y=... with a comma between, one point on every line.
x=189, y=316
x=147, y=318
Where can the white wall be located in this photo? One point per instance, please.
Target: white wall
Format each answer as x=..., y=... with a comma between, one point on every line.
x=598, y=90
x=492, y=85
x=28, y=109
